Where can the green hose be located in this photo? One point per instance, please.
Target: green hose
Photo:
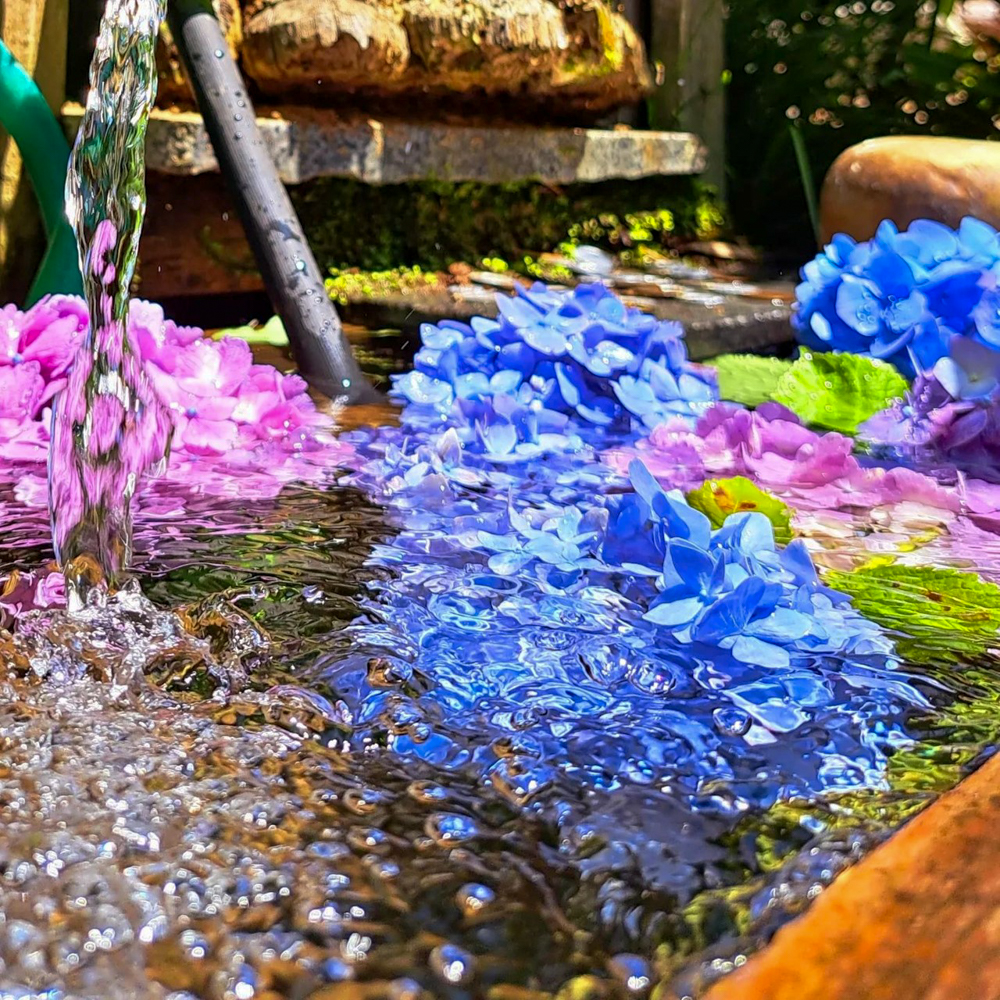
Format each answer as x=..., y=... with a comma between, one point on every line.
x=26, y=115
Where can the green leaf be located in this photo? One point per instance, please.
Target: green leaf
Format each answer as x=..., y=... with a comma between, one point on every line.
x=839, y=391
x=718, y=499
x=748, y=379
x=941, y=612
x=272, y=332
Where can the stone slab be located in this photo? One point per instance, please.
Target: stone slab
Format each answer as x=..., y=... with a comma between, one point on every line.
x=735, y=324
x=307, y=143
x=916, y=920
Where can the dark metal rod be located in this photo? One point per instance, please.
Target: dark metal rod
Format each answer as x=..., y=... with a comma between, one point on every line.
x=273, y=230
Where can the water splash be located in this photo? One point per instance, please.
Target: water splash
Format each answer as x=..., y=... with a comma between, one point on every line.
x=108, y=427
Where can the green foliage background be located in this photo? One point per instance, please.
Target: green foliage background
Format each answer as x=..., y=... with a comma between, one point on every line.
x=840, y=73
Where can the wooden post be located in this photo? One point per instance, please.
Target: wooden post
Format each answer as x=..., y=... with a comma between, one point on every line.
x=36, y=31
x=687, y=45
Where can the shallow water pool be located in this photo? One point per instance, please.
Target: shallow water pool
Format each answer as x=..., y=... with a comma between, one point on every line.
x=369, y=760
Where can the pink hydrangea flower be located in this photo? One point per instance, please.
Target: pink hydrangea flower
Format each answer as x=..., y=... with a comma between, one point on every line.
x=771, y=446
x=221, y=404
x=48, y=333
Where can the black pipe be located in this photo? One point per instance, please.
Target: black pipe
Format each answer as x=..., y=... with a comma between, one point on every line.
x=272, y=228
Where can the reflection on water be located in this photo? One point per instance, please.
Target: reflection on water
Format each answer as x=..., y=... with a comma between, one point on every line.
x=365, y=757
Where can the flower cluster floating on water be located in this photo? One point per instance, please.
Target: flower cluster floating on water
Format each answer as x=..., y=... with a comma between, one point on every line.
x=903, y=297
x=732, y=587
x=935, y=426
x=224, y=408
x=576, y=585
x=552, y=360
x=772, y=447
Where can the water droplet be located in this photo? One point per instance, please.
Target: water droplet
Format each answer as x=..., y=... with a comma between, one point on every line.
x=361, y=801
x=366, y=838
x=731, y=721
x=385, y=870
x=219, y=53
x=452, y=964
x=449, y=829
x=336, y=970
x=473, y=898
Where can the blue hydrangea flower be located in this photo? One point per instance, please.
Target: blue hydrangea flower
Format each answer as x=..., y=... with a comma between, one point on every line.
x=902, y=296
x=731, y=588
x=514, y=427
x=580, y=353
x=560, y=539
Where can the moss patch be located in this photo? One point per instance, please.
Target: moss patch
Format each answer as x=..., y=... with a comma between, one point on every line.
x=350, y=286
x=432, y=224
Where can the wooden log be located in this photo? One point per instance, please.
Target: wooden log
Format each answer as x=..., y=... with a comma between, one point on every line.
x=36, y=32
x=687, y=45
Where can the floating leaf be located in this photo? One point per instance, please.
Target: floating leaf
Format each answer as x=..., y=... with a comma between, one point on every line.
x=839, y=391
x=748, y=379
x=942, y=611
x=718, y=499
x=272, y=332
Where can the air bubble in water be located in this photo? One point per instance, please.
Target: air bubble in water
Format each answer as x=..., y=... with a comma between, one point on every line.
x=452, y=964
x=450, y=829
x=731, y=721
x=632, y=972
x=473, y=898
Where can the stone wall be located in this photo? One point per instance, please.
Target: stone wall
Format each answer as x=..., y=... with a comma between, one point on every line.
x=534, y=56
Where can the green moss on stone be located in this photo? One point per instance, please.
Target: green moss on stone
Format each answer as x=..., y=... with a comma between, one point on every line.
x=352, y=286
x=433, y=224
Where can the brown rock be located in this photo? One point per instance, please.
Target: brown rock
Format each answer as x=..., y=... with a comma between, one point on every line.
x=586, y=56
x=608, y=66
x=917, y=920
x=911, y=177
x=494, y=45
x=309, y=45
x=173, y=87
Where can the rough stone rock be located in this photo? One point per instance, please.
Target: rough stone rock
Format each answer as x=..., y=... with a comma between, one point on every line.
x=444, y=51
x=313, y=45
x=173, y=85
x=911, y=177
x=609, y=66
x=488, y=44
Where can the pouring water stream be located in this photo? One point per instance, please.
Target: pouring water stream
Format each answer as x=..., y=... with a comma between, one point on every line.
x=108, y=426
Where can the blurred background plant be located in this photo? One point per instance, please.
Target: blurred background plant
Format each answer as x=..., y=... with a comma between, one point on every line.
x=810, y=79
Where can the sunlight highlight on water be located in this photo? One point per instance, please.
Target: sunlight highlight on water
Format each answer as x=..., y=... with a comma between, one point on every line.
x=108, y=427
